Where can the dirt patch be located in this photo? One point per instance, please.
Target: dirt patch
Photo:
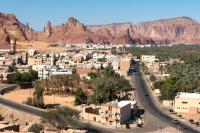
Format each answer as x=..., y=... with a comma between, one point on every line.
x=21, y=95
x=19, y=118
x=40, y=46
x=187, y=116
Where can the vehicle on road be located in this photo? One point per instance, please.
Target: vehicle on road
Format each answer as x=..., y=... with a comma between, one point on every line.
x=175, y=121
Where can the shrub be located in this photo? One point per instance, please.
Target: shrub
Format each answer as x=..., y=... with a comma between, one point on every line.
x=180, y=116
x=191, y=120
x=80, y=97
x=61, y=118
x=29, y=101
x=36, y=128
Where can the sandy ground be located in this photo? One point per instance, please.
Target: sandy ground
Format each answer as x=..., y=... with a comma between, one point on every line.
x=40, y=46
x=187, y=116
x=17, y=117
x=21, y=95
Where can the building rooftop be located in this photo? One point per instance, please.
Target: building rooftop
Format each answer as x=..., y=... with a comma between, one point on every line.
x=188, y=95
x=123, y=103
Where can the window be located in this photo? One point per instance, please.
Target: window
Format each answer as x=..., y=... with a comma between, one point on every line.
x=183, y=102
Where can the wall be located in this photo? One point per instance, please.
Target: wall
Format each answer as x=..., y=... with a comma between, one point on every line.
x=125, y=113
x=180, y=106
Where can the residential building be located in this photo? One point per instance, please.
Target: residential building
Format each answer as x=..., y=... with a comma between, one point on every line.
x=113, y=113
x=31, y=52
x=24, y=58
x=185, y=102
x=148, y=58
x=35, y=61
x=44, y=71
x=23, y=68
x=6, y=76
x=83, y=72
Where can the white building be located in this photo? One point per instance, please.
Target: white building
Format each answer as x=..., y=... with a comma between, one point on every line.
x=148, y=58
x=44, y=71
x=185, y=102
x=31, y=52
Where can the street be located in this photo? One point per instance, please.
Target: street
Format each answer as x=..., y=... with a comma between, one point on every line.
x=154, y=116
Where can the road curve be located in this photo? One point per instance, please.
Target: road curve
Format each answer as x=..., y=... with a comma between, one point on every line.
x=21, y=107
x=145, y=93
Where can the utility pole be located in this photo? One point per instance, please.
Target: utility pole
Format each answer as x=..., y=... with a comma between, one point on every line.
x=178, y=129
x=158, y=119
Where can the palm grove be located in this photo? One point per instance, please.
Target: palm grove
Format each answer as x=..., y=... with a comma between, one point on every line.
x=104, y=85
x=185, y=77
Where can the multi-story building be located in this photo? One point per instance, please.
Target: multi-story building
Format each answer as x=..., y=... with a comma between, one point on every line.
x=35, y=61
x=44, y=71
x=31, y=52
x=148, y=58
x=24, y=58
x=187, y=102
x=113, y=113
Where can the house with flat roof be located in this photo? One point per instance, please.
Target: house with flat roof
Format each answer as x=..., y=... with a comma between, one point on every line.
x=185, y=102
x=113, y=113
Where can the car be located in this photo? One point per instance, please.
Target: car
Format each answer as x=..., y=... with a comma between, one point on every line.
x=175, y=121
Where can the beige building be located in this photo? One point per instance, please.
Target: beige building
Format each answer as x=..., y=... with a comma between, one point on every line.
x=113, y=113
x=148, y=58
x=35, y=61
x=187, y=102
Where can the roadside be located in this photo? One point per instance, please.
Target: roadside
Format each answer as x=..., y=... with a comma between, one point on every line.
x=21, y=96
x=165, y=110
x=15, y=117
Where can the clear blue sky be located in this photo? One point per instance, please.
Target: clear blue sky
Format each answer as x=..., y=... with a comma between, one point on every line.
x=38, y=12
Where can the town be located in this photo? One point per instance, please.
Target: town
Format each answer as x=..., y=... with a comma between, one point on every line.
x=75, y=79
x=99, y=66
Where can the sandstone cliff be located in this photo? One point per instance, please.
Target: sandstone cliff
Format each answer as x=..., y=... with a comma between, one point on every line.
x=175, y=30
x=10, y=27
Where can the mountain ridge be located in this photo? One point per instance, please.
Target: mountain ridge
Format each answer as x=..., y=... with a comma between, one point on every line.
x=164, y=31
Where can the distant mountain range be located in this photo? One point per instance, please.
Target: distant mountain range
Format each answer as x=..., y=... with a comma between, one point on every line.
x=166, y=31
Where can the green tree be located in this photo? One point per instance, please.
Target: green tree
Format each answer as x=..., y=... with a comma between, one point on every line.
x=107, y=85
x=80, y=97
x=61, y=117
x=38, y=100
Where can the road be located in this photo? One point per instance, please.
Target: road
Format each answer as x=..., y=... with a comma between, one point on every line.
x=20, y=107
x=154, y=115
x=38, y=112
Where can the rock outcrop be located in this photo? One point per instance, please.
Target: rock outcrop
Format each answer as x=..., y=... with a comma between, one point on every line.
x=10, y=27
x=175, y=30
x=48, y=29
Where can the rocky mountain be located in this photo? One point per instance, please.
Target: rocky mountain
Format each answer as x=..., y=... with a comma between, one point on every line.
x=10, y=27
x=175, y=30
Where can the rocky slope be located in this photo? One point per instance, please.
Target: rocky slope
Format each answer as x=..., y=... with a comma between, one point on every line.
x=10, y=27
x=175, y=30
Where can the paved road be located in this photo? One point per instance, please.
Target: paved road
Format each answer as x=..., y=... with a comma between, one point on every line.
x=38, y=112
x=154, y=115
x=20, y=107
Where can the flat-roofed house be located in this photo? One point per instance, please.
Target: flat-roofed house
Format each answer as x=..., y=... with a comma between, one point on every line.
x=113, y=113
x=185, y=102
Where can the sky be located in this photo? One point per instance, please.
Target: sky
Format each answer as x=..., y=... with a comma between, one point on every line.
x=38, y=12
